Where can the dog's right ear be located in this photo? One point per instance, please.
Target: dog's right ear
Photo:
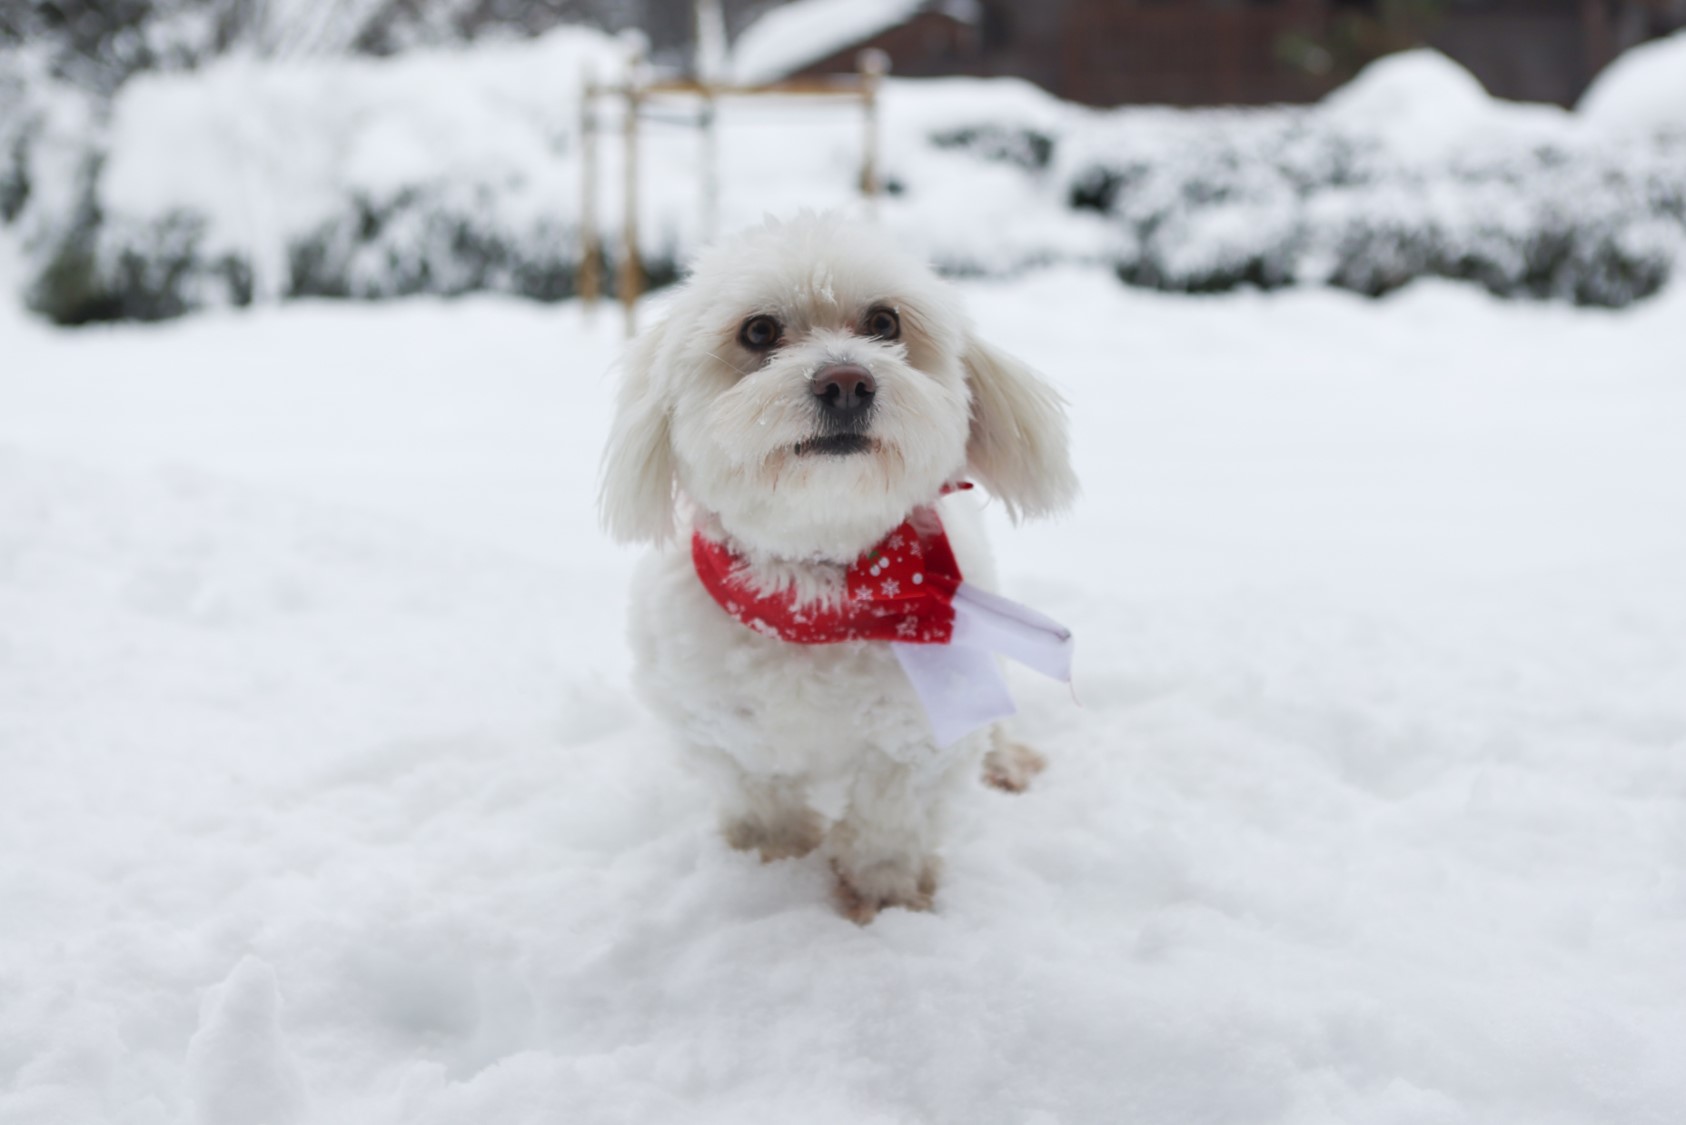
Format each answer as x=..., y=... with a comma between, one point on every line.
x=636, y=499
x=1018, y=447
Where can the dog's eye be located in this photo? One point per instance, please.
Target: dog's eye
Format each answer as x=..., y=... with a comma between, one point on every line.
x=883, y=323
x=759, y=333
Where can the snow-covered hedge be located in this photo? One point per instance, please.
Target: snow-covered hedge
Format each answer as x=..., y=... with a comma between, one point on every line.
x=1411, y=171
x=443, y=171
x=1279, y=199
x=447, y=171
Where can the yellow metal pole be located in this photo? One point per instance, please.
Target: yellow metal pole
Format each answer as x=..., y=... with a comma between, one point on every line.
x=631, y=271
x=591, y=244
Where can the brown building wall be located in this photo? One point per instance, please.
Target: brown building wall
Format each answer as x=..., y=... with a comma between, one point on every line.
x=1227, y=52
x=1107, y=52
x=1536, y=56
x=929, y=45
x=1182, y=54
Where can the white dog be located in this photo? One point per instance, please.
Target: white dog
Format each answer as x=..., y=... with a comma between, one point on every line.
x=813, y=387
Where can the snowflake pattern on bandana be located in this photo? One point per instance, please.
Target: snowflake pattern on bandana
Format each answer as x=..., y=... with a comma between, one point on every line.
x=901, y=590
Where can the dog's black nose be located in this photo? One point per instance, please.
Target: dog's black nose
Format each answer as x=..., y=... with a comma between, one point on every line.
x=844, y=391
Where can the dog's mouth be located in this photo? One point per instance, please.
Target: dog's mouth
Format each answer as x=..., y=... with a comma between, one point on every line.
x=835, y=445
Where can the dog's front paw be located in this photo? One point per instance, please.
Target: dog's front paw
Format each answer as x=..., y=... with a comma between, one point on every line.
x=860, y=896
x=1010, y=766
x=785, y=837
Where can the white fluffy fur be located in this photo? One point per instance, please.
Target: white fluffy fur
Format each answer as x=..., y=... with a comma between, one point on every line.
x=816, y=745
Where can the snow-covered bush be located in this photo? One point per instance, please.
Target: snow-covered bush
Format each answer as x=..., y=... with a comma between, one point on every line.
x=1411, y=171
x=443, y=171
x=1279, y=198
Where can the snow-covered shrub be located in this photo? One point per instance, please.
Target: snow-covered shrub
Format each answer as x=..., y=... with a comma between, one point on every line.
x=1214, y=209
x=442, y=172
x=1410, y=172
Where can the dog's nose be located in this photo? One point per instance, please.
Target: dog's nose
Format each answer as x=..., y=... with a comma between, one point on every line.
x=844, y=390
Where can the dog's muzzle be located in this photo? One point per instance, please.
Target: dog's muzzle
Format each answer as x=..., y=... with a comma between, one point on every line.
x=843, y=395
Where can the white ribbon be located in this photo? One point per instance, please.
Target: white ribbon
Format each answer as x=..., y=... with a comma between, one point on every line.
x=960, y=684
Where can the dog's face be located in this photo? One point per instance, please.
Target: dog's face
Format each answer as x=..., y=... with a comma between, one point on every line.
x=812, y=384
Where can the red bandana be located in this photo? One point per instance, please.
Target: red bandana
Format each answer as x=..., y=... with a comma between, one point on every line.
x=901, y=590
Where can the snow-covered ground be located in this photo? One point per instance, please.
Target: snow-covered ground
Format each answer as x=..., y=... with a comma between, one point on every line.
x=326, y=799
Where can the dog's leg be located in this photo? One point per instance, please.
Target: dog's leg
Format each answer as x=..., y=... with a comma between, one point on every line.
x=883, y=850
x=770, y=815
x=1010, y=765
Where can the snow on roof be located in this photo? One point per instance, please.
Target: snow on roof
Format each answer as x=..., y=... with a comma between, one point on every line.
x=790, y=37
x=1642, y=91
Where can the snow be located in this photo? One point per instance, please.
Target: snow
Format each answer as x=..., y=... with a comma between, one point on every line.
x=1642, y=91
x=1423, y=107
x=327, y=798
x=791, y=36
x=239, y=1068
x=1420, y=94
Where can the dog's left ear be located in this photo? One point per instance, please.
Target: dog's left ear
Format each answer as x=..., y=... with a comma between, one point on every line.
x=637, y=495
x=1018, y=446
